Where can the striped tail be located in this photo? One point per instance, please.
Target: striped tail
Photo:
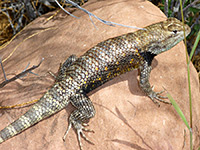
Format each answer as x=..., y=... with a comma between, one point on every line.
x=48, y=105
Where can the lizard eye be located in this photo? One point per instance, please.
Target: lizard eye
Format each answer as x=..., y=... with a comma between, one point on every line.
x=175, y=31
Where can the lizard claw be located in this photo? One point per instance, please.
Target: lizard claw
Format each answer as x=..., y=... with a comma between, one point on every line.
x=69, y=127
x=85, y=129
x=79, y=130
x=155, y=97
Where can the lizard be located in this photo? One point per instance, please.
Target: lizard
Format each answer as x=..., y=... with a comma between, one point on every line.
x=78, y=76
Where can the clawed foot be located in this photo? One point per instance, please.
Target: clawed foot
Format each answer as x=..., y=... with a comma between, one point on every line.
x=155, y=97
x=79, y=130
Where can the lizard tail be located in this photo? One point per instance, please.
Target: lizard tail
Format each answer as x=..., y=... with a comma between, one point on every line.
x=49, y=104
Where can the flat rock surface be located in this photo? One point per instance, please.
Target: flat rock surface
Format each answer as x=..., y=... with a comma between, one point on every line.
x=125, y=117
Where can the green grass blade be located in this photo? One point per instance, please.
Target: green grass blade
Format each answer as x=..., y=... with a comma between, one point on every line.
x=177, y=108
x=194, y=46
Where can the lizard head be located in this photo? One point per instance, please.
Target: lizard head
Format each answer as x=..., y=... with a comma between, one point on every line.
x=166, y=35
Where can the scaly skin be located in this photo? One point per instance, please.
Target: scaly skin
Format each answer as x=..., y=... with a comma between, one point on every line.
x=103, y=62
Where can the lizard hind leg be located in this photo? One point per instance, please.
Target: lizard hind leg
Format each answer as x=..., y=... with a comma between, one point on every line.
x=79, y=118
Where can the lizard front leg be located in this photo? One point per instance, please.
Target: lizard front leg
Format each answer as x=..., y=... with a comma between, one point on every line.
x=80, y=117
x=63, y=68
x=145, y=70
